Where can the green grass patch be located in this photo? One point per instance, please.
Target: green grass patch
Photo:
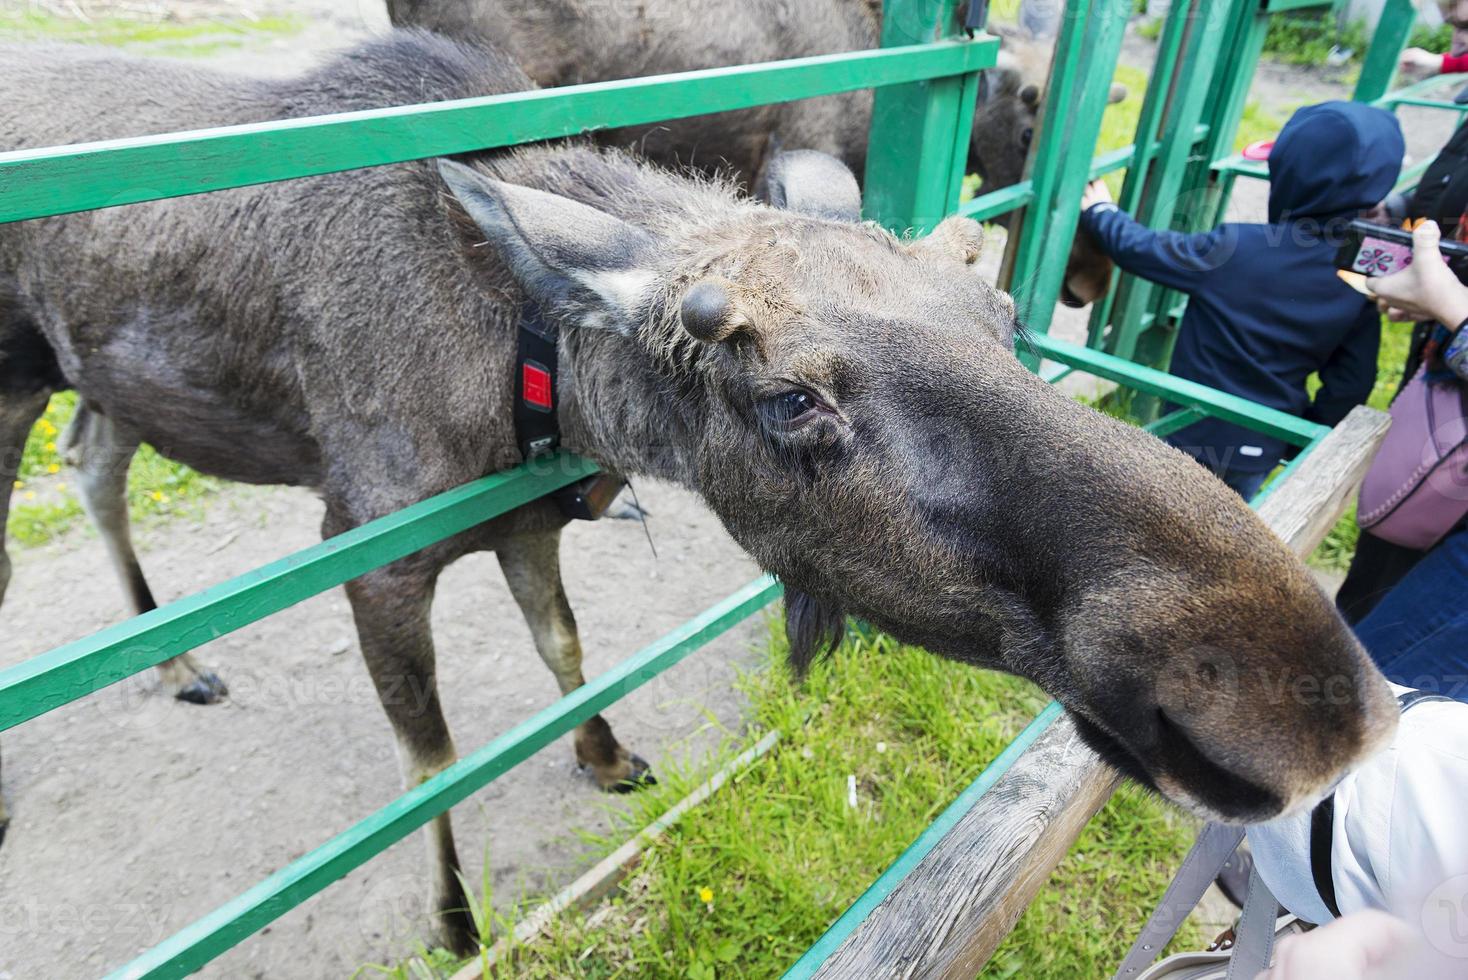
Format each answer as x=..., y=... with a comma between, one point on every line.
x=748, y=881
x=1302, y=39
x=1437, y=39
x=1305, y=39
x=44, y=504
x=196, y=37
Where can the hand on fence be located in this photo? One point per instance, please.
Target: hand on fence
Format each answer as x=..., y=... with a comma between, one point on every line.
x=1420, y=61
x=1096, y=193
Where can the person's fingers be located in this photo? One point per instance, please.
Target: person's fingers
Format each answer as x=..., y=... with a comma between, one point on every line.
x=1426, y=238
x=1343, y=950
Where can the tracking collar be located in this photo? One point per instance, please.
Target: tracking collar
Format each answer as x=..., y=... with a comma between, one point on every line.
x=537, y=429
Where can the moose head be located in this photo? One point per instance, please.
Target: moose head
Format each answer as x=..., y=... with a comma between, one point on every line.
x=851, y=406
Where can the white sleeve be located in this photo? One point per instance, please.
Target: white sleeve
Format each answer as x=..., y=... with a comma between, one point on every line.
x=1401, y=828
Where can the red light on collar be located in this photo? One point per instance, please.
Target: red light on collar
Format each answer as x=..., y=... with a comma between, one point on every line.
x=535, y=384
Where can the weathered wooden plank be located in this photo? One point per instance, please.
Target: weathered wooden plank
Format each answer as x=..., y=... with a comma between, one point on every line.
x=949, y=914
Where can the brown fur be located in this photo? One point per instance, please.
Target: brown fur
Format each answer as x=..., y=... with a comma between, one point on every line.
x=567, y=42
x=867, y=433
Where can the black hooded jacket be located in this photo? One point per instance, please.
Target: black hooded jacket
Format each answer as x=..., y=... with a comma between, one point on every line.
x=1265, y=307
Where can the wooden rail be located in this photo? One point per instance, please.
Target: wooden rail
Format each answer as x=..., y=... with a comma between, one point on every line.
x=947, y=916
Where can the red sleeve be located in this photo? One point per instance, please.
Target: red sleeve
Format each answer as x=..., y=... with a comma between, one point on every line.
x=1455, y=63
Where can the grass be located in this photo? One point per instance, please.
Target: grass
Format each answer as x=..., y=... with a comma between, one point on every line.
x=195, y=38
x=1301, y=39
x=748, y=881
x=44, y=504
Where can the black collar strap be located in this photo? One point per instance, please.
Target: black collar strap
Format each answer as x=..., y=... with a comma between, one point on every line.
x=537, y=430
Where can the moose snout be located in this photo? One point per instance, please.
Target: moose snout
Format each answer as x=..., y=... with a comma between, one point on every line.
x=1245, y=733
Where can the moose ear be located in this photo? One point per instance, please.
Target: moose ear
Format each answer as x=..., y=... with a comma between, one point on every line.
x=571, y=259
x=954, y=238
x=999, y=82
x=813, y=183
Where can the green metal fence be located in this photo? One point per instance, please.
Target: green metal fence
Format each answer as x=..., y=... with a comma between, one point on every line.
x=926, y=79
x=1182, y=154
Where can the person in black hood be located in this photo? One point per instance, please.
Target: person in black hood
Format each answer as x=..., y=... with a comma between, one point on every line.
x=1265, y=307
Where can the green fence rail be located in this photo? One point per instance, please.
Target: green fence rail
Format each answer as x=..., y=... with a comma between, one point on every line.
x=58, y=180
x=922, y=113
x=223, y=928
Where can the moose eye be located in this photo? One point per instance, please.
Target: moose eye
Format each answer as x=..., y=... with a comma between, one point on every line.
x=790, y=409
x=1026, y=134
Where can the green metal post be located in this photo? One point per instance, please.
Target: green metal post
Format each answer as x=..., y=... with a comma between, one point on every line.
x=1167, y=193
x=1226, y=109
x=1380, y=66
x=57, y=180
x=918, y=148
x=1080, y=81
x=1149, y=124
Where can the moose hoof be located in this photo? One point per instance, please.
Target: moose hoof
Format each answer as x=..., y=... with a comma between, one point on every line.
x=206, y=688
x=456, y=931
x=639, y=776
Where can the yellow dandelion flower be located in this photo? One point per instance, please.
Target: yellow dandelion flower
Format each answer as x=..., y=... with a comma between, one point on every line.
x=705, y=894
x=50, y=447
x=159, y=496
x=54, y=468
x=30, y=495
x=18, y=484
x=60, y=486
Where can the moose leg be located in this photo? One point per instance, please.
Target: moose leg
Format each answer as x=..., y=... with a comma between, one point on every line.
x=102, y=453
x=4, y=817
x=532, y=567
x=18, y=412
x=391, y=607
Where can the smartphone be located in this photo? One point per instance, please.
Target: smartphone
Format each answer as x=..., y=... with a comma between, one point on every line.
x=1380, y=250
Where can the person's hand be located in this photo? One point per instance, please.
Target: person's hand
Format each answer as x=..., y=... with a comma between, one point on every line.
x=1426, y=289
x=1422, y=61
x=1096, y=193
x=1350, y=948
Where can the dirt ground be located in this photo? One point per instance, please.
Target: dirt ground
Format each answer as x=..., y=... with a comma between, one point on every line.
x=134, y=815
